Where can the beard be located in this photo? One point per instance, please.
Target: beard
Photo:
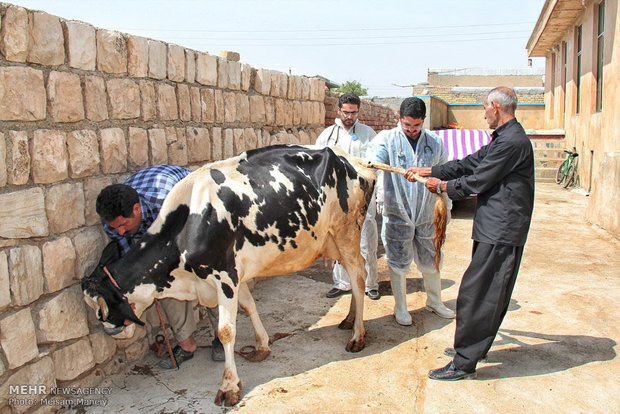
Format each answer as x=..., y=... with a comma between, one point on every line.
x=348, y=122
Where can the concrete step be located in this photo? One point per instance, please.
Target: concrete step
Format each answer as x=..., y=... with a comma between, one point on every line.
x=547, y=163
x=548, y=143
x=545, y=174
x=549, y=153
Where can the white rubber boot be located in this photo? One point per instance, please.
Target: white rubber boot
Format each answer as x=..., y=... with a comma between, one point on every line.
x=398, y=282
x=432, y=286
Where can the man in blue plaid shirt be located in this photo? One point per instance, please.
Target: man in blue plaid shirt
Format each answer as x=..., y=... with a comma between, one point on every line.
x=127, y=211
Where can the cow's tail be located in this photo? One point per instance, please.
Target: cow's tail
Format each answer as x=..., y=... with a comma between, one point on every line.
x=440, y=222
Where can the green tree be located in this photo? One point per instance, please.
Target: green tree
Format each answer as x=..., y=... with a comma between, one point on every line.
x=353, y=87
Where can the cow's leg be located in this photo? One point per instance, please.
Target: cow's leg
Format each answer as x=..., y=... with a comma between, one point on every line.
x=227, y=307
x=246, y=301
x=353, y=262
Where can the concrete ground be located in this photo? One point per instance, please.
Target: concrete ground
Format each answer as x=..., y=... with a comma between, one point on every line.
x=555, y=352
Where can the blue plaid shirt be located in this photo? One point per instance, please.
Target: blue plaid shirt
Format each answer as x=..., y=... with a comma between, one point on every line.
x=153, y=185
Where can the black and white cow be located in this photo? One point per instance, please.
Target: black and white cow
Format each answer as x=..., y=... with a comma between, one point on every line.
x=267, y=212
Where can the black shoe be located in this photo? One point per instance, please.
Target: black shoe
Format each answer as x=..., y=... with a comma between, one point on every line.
x=217, y=350
x=179, y=355
x=450, y=373
x=335, y=292
x=373, y=294
x=451, y=353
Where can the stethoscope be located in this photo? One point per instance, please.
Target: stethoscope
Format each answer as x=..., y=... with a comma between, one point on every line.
x=337, y=128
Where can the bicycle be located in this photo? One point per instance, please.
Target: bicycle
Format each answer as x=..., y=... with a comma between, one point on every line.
x=567, y=170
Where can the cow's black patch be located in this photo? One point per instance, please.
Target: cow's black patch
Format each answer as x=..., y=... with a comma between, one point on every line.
x=227, y=290
x=217, y=176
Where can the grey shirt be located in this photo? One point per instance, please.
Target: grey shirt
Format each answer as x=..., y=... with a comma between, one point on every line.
x=502, y=175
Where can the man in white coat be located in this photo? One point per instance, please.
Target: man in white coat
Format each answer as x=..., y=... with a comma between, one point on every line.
x=353, y=137
x=408, y=207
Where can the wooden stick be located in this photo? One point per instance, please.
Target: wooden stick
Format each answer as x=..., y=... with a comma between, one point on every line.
x=396, y=170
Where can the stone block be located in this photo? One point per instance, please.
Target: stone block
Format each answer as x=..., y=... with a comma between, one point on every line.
x=305, y=88
x=81, y=45
x=113, y=151
x=64, y=92
x=103, y=346
x=137, y=56
x=220, y=109
x=95, y=98
x=18, y=338
x=216, y=143
x=206, y=69
x=228, y=146
x=230, y=107
x=14, y=36
x=47, y=44
x=228, y=55
x=305, y=138
x=147, y=92
x=58, y=264
x=195, y=104
x=5, y=286
x=64, y=204
x=246, y=77
x=73, y=360
x=22, y=214
x=89, y=243
x=40, y=372
x=198, y=144
x=238, y=142
x=296, y=113
x=137, y=350
x=158, y=150
x=292, y=87
x=190, y=66
x=288, y=113
x=61, y=317
x=177, y=149
x=22, y=94
x=3, y=160
x=283, y=79
x=234, y=75
x=280, y=116
x=83, y=149
x=138, y=147
x=157, y=59
x=243, y=107
x=270, y=110
x=167, y=106
x=111, y=52
x=92, y=188
x=139, y=334
x=176, y=63
x=185, y=108
x=124, y=96
x=257, y=109
x=49, y=156
x=26, y=275
x=262, y=81
x=250, y=138
x=222, y=73
x=207, y=105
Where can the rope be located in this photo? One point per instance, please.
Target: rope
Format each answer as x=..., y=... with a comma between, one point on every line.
x=163, y=328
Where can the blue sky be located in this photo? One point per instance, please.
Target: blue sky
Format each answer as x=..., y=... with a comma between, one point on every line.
x=379, y=43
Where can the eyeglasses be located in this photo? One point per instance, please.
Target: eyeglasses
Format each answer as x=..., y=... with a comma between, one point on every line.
x=347, y=113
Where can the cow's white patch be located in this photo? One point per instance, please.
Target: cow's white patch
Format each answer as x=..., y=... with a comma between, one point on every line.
x=281, y=180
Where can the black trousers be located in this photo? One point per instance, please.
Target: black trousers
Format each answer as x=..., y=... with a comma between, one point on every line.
x=483, y=300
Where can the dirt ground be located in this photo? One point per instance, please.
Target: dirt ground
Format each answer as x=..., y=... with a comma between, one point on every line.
x=555, y=352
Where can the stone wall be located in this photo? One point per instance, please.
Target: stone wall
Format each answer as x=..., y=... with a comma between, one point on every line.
x=376, y=116
x=81, y=108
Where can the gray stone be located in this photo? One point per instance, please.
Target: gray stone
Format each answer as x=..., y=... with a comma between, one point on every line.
x=95, y=98
x=124, y=95
x=47, y=44
x=207, y=103
x=26, y=274
x=40, y=372
x=228, y=143
x=138, y=147
x=81, y=45
x=14, y=37
x=167, y=106
x=89, y=243
x=73, y=360
x=246, y=77
x=257, y=109
x=48, y=150
x=220, y=108
x=18, y=338
x=22, y=214
x=147, y=92
x=243, y=107
x=62, y=317
x=64, y=205
x=194, y=93
x=190, y=66
x=111, y=52
x=92, y=188
x=230, y=107
x=113, y=151
x=206, y=69
x=239, y=144
x=5, y=286
x=158, y=150
x=198, y=145
x=58, y=264
x=216, y=144
x=137, y=350
x=137, y=56
x=22, y=94
x=185, y=108
x=83, y=153
x=103, y=346
x=176, y=63
x=157, y=59
x=177, y=149
x=262, y=81
x=222, y=74
x=3, y=158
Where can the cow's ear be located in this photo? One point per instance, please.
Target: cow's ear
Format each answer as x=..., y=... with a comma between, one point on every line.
x=110, y=254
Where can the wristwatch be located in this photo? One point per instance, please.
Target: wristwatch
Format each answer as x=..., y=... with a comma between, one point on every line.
x=439, y=188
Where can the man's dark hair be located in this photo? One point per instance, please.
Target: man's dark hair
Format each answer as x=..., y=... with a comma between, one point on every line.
x=349, y=98
x=116, y=200
x=413, y=107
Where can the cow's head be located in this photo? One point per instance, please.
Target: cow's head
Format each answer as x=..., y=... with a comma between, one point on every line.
x=105, y=297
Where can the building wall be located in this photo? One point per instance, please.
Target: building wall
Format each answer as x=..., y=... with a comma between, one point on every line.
x=82, y=108
x=476, y=77
x=594, y=134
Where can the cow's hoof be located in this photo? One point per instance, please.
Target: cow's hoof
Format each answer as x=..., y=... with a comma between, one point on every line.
x=229, y=398
x=258, y=355
x=356, y=345
x=346, y=324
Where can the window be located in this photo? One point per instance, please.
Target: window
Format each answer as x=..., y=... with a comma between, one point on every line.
x=578, y=69
x=600, y=46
